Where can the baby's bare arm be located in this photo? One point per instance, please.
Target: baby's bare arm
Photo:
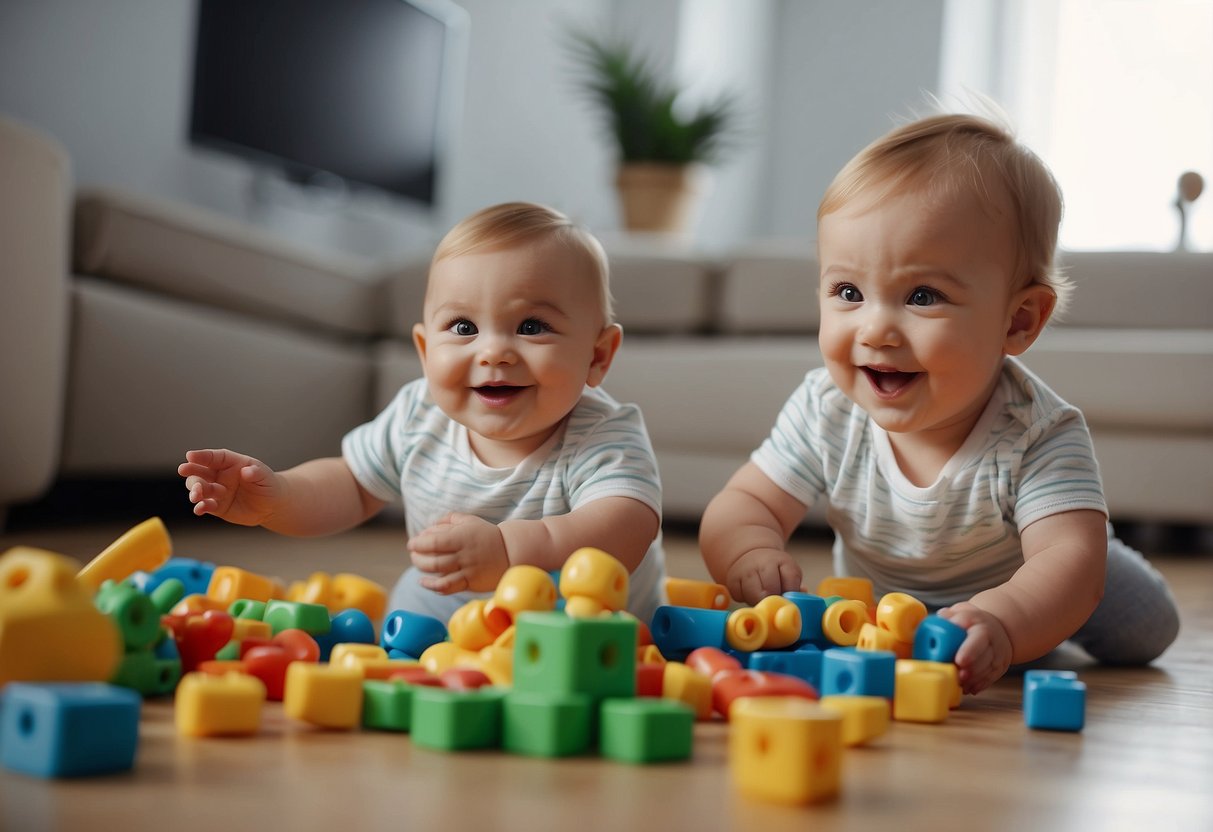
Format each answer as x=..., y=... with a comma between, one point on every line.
x=323, y=497
x=621, y=526
x=744, y=535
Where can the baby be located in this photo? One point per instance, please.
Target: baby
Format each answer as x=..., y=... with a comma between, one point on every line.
x=507, y=451
x=949, y=471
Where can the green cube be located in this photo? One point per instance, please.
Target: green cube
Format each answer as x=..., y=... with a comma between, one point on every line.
x=142, y=671
x=456, y=720
x=387, y=705
x=646, y=730
x=546, y=724
x=313, y=619
x=247, y=608
x=557, y=654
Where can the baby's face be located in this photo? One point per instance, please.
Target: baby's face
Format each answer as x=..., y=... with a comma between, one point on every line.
x=509, y=340
x=915, y=300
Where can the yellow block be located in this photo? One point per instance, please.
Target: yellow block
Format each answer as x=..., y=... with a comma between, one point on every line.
x=946, y=668
x=358, y=593
x=746, y=629
x=689, y=686
x=229, y=583
x=863, y=717
x=856, y=589
x=211, y=706
x=327, y=696
x=143, y=548
x=783, y=621
x=785, y=749
x=592, y=573
x=470, y=628
x=900, y=614
x=685, y=592
x=354, y=655
x=649, y=653
x=843, y=621
x=921, y=696
x=49, y=629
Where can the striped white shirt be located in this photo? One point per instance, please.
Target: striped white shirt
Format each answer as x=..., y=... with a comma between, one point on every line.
x=1029, y=456
x=415, y=452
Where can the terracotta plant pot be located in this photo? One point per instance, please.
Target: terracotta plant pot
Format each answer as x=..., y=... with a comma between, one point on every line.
x=657, y=197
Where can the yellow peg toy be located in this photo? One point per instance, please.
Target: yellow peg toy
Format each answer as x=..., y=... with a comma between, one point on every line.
x=143, y=548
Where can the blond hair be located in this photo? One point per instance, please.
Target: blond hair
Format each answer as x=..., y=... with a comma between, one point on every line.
x=949, y=153
x=510, y=223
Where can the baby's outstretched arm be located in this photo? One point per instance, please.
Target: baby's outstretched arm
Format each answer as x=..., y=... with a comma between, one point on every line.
x=744, y=535
x=1044, y=602
x=314, y=498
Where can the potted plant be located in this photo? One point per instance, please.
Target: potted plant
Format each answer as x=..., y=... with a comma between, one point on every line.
x=661, y=153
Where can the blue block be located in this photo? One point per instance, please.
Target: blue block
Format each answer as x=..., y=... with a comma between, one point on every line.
x=937, y=639
x=812, y=608
x=804, y=663
x=68, y=729
x=411, y=633
x=1054, y=700
x=846, y=671
x=194, y=574
x=679, y=630
x=351, y=626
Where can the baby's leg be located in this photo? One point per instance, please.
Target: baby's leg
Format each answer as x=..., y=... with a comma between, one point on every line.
x=1137, y=619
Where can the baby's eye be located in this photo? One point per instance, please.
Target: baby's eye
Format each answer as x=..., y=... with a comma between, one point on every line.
x=923, y=296
x=462, y=327
x=533, y=326
x=849, y=293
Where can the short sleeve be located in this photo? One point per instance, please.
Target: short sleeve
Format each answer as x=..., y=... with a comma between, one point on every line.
x=613, y=457
x=373, y=451
x=792, y=456
x=1058, y=471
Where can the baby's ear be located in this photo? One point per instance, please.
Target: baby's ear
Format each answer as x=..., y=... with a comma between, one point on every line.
x=419, y=340
x=604, y=353
x=1031, y=308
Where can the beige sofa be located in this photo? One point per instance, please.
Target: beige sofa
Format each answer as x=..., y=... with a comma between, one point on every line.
x=174, y=328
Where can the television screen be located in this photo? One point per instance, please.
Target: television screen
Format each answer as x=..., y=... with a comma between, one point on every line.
x=359, y=89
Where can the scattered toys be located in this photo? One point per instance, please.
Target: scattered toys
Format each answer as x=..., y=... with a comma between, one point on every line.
x=1054, y=700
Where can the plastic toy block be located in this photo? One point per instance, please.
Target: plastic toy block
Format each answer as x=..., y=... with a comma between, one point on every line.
x=900, y=614
x=938, y=639
x=352, y=626
x=845, y=670
x=557, y=654
x=688, y=686
x=142, y=548
x=843, y=620
x=783, y=620
x=244, y=629
x=785, y=750
x=745, y=629
x=471, y=629
x=196, y=605
x=317, y=589
x=947, y=669
x=218, y=706
x=194, y=575
x=464, y=678
x=144, y=672
x=68, y=730
x=645, y=730
x=1054, y=700
x=353, y=655
x=922, y=696
x=323, y=695
x=812, y=608
x=732, y=685
x=299, y=646
x=354, y=592
x=167, y=595
x=313, y=619
x=49, y=628
x=457, y=720
x=650, y=678
x=803, y=664
x=546, y=724
x=521, y=589
x=387, y=705
x=705, y=595
x=872, y=637
x=649, y=654
x=711, y=660
x=269, y=664
x=441, y=656
x=199, y=637
x=247, y=609
x=229, y=584
x=593, y=582
x=221, y=667
x=679, y=630
x=410, y=633
x=136, y=617
x=384, y=669
x=856, y=589
x=864, y=718
x=416, y=675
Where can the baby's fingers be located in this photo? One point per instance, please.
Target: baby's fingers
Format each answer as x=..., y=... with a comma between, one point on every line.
x=445, y=584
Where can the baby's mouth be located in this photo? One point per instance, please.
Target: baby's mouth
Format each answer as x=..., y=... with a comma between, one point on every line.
x=889, y=382
x=498, y=394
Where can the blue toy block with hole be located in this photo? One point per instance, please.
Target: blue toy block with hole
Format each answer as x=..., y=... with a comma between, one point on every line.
x=804, y=663
x=812, y=608
x=194, y=574
x=351, y=626
x=846, y=671
x=1054, y=700
x=679, y=630
x=68, y=729
x=937, y=639
x=409, y=634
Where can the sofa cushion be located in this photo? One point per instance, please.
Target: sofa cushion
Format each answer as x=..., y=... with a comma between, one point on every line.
x=1140, y=289
x=770, y=293
x=661, y=293
x=185, y=252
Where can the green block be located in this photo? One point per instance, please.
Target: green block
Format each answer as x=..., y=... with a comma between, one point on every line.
x=229, y=652
x=546, y=724
x=247, y=608
x=166, y=596
x=313, y=619
x=387, y=706
x=133, y=612
x=142, y=671
x=456, y=720
x=646, y=730
x=557, y=654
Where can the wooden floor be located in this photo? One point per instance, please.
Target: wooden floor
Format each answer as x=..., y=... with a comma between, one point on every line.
x=1144, y=761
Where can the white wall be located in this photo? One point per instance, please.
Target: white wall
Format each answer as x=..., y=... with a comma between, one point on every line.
x=820, y=78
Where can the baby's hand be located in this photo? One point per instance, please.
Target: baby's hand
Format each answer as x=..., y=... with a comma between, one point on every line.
x=762, y=572
x=460, y=552
x=236, y=487
x=985, y=655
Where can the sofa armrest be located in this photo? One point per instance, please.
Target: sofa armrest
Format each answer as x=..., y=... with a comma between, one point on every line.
x=192, y=254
